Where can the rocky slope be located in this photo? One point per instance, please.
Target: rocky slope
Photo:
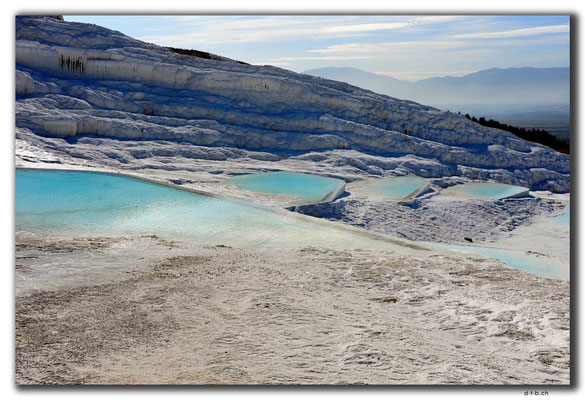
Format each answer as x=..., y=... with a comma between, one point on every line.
x=75, y=80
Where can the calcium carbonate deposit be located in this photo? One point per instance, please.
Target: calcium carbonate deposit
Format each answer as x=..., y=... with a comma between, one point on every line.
x=124, y=282
x=76, y=80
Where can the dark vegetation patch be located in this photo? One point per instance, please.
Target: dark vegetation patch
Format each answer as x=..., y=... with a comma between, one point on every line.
x=533, y=135
x=200, y=54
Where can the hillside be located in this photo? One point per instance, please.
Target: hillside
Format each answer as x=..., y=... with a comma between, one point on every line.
x=491, y=87
x=76, y=81
x=526, y=97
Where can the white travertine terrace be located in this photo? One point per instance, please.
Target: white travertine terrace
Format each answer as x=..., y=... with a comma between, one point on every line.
x=77, y=79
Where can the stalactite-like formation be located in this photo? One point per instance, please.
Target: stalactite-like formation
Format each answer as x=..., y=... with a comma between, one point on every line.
x=72, y=64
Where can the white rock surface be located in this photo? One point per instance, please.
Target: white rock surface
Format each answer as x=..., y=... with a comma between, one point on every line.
x=75, y=80
x=151, y=311
x=93, y=99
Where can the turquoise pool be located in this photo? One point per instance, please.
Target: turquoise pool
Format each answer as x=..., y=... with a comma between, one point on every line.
x=485, y=190
x=94, y=203
x=307, y=188
x=531, y=263
x=85, y=203
x=398, y=187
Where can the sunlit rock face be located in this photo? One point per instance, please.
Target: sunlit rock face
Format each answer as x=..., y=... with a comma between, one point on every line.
x=76, y=79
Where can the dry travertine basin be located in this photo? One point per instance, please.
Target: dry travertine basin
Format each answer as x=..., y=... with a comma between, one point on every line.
x=145, y=310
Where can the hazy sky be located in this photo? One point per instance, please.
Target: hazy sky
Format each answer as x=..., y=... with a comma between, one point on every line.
x=405, y=47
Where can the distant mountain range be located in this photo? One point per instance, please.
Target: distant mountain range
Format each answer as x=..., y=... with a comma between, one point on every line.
x=525, y=97
x=496, y=86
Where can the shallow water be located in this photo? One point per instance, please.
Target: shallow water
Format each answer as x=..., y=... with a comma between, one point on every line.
x=85, y=203
x=563, y=219
x=65, y=202
x=484, y=190
x=398, y=187
x=307, y=188
x=532, y=263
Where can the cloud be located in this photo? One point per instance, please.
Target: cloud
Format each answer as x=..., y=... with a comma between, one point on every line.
x=352, y=48
x=323, y=58
x=367, y=27
x=256, y=23
x=412, y=21
x=539, y=30
x=233, y=30
x=231, y=35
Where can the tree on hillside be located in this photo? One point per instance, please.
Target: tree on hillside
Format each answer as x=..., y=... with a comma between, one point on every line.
x=533, y=135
